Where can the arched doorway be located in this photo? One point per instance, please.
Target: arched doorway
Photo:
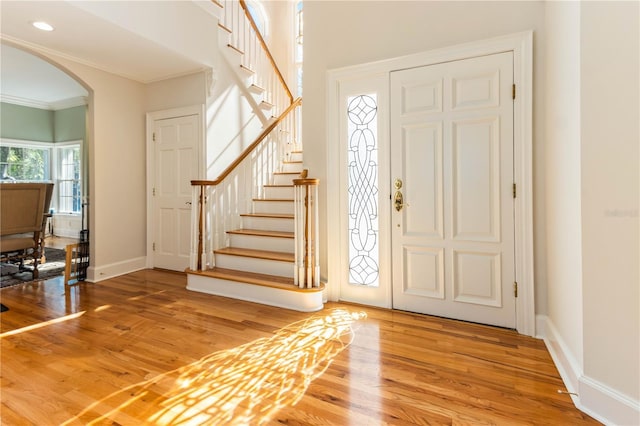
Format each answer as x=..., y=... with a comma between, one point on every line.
x=44, y=133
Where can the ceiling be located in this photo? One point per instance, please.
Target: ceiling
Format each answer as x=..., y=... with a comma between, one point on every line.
x=145, y=41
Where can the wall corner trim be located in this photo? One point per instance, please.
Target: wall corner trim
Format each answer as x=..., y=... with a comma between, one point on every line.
x=603, y=403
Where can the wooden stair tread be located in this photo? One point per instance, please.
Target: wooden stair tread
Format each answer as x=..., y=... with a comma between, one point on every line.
x=283, y=283
x=256, y=89
x=269, y=215
x=286, y=173
x=292, y=162
x=247, y=70
x=258, y=254
x=258, y=232
x=235, y=49
x=278, y=186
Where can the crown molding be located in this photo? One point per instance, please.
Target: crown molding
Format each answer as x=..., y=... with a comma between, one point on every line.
x=51, y=106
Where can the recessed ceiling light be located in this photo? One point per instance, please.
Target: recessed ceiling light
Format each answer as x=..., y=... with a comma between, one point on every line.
x=41, y=25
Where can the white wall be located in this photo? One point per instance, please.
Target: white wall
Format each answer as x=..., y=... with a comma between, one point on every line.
x=343, y=33
x=563, y=185
x=610, y=46
x=231, y=125
x=280, y=39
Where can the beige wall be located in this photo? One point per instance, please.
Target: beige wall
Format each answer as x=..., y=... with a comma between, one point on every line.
x=610, y=116
x=117, y=159
x=176, y=92
x=563, y=187
x=343, y=33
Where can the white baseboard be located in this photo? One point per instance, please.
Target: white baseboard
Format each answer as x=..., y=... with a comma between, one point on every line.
x=104, y=272
x=607, y=405
x=594, y=398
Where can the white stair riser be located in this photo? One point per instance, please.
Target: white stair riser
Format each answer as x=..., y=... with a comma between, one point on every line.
x=251, y=264
x=292, y=167
x=285, y=192
x=280, y=179
x=268, y=224
x=295, y=156
x=298, y=301
x=262, y=243
x=277, y=207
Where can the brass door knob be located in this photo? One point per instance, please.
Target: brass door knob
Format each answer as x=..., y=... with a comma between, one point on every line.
x=398, y=200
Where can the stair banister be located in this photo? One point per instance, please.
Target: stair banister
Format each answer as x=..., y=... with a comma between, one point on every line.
x=246, y=38
x=266, y=50
x=307, y=244
x=205, y=222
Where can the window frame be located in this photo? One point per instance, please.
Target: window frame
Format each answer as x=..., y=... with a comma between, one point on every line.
x=57, y=173
x=52, y=169
x=17, y=143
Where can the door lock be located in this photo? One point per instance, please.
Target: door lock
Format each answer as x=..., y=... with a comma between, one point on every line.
x=398, y=200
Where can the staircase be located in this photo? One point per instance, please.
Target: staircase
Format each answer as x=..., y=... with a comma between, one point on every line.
x=266, y=254
x=258, y=263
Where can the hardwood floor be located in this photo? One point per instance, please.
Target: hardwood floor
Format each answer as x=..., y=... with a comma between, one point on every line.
x=141, y=349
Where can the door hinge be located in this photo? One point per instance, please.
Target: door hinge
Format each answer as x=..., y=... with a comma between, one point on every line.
x=153, y=192
x=515, y=289
x=514, y=190
x=154, y=136
x=513, y=92
x=154, y=246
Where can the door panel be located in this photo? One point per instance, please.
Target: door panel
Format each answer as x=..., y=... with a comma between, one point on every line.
x=424, y=269
x=176, y=153
x=452, y=148
x=476, y=180
x=422, y=148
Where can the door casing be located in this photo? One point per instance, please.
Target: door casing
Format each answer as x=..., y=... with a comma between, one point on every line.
x=521, y=44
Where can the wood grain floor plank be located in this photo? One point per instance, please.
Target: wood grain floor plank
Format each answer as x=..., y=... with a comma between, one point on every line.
x=141, y=348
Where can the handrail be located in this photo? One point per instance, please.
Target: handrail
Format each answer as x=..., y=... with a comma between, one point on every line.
x=250, y=148
x=266, y=50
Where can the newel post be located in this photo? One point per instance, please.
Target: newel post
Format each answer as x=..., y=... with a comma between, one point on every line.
x=307, y=244
x=202, y=196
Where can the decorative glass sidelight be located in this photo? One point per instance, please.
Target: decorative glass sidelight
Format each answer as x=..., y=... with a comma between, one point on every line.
x=362, y=131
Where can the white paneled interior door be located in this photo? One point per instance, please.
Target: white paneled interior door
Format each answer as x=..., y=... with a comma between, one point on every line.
x=452, y=163
x=176, y=143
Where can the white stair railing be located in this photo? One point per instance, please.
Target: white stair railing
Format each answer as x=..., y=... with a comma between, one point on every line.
x=256, y=57
x=307, y=244
x=217, y=204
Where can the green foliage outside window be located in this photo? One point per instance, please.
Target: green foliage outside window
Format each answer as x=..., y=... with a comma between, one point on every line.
x=24, y=163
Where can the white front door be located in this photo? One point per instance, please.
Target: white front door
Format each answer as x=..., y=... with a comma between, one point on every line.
x=452, y=162
x=176, y=164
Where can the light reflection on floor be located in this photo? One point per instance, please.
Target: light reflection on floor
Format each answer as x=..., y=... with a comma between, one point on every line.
x=243, y=385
